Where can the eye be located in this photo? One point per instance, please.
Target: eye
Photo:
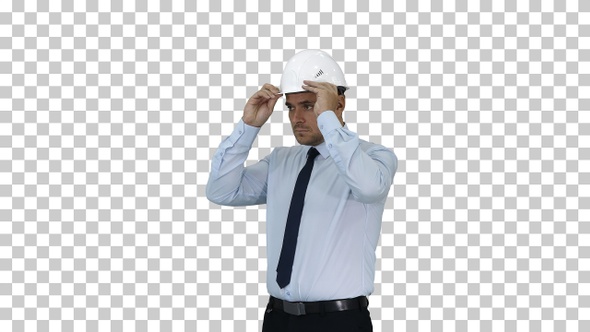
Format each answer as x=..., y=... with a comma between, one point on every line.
x=309, y=107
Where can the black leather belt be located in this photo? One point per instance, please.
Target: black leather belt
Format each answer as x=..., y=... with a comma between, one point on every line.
x=304, y=308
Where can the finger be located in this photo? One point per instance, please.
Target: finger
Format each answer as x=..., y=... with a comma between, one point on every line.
x=317, y=84
x=259, y=98
x=321, y=85
x=273, y=95
x=273, y=89
x=270, y=94
x=311, y=83
x=310, y=88
x=265, y=94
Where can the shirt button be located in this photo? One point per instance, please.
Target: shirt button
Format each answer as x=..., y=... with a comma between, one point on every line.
x=330, y=146
x=322, y=127
x=240, y=132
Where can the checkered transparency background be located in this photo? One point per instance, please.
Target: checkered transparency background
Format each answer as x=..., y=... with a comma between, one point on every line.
x=111, y=111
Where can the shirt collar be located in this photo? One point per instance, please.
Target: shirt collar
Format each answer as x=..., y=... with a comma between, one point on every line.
x=323, y=149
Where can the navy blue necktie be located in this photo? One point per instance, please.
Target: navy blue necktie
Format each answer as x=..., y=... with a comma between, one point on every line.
x=285, y=266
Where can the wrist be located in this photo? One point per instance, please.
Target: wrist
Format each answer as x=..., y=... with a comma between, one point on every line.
x=251, y=123
x=320, y=111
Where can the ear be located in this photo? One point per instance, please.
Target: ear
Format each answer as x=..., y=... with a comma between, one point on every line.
x=340, y=108
x=341, y=103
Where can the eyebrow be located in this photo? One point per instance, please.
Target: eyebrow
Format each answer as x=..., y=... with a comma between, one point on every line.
x=300, y=103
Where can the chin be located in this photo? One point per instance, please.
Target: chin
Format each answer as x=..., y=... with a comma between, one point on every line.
x=308, y=142
x=309, y=139
x=301, y=142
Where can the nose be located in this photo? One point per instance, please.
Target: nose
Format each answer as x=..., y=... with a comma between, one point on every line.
x=297, y=115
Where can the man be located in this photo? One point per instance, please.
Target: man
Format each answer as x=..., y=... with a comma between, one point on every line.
x=325, y=199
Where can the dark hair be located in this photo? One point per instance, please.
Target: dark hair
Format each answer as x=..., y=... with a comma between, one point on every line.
x=341, y=90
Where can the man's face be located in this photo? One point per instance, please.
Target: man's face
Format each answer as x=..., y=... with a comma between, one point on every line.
x=303, y=118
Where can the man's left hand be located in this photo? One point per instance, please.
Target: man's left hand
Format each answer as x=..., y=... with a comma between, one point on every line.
x=326, y=93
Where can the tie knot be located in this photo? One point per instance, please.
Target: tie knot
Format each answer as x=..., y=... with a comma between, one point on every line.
x=312, y=153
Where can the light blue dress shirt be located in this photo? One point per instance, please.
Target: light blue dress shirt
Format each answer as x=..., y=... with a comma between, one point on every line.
x=341, y=220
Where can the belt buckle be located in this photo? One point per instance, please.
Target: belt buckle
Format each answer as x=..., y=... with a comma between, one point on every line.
x=294, y=308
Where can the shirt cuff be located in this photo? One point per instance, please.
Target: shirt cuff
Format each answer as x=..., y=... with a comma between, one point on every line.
x=244, y=133
x=328, y=121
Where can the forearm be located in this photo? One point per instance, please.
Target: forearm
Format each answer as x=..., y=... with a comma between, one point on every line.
x=230, y=183
x=369, y=174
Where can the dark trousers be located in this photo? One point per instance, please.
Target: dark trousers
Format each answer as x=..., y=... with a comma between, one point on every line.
x=358, y=320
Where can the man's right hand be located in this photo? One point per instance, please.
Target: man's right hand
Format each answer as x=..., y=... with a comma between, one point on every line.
x=260, y=105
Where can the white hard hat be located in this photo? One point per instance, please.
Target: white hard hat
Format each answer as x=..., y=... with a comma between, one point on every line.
x=312, y=65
